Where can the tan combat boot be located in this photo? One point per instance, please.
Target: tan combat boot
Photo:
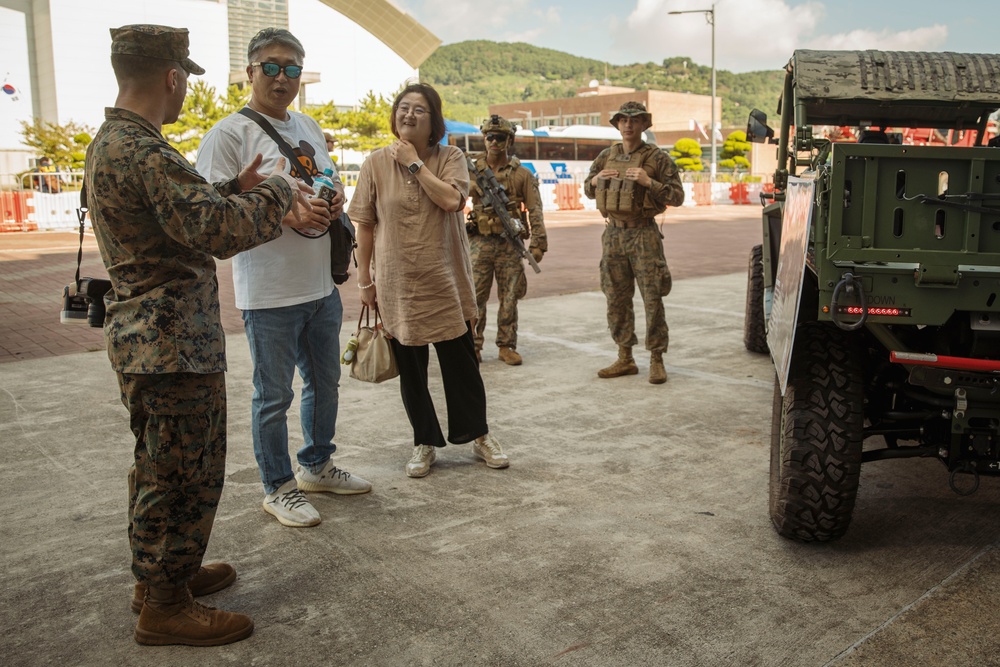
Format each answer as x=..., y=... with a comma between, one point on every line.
x=657, y=373
x=624, y=366
x=509, y=356
x=209, y=579
x=171, y=616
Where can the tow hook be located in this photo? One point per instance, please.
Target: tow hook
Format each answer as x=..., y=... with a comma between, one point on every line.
x=848, y=283
x=967, y=489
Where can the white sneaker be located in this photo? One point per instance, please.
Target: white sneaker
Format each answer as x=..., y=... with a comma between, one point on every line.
x=289, y=506
x=420, y=464
x=331, y=479
x=488, y=449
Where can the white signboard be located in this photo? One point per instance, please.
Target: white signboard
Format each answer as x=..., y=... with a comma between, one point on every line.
x=791, y=270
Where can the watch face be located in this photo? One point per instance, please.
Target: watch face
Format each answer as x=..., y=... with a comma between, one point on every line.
x=415, y=167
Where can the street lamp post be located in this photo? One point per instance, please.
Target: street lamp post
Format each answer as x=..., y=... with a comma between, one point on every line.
x=710, y=17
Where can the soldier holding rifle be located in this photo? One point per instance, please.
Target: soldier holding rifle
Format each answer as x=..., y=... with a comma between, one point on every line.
x=495, y=249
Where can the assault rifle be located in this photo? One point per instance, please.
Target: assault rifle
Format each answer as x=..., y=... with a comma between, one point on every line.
x=495, y=197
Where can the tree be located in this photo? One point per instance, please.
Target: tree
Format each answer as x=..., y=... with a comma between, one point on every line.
x=687, y=155
x=66, y=145
x=203, y=108
x=324, y=114
x=734, y=150
x=367, y=127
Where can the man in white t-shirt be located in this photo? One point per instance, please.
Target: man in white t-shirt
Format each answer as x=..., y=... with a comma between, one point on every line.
x=292, y=311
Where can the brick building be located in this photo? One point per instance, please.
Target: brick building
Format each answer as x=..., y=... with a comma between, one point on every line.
x=672, y=112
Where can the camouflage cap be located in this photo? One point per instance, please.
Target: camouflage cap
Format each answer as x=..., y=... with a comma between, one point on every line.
x=632, y=109
x=497, y=123
x=154, y=41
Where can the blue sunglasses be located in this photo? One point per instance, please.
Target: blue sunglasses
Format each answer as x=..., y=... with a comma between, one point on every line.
x=273, y=69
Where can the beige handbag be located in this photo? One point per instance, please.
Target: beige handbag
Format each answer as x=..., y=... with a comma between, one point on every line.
x=373, y=360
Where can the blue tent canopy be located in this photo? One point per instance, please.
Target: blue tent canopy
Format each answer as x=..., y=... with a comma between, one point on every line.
x=457, y=127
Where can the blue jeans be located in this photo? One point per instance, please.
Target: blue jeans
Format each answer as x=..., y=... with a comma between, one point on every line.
x=306, y=336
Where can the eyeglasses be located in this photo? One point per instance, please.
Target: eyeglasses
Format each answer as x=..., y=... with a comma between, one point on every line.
x=273, y=69
x=498, y=138
x=404, y=109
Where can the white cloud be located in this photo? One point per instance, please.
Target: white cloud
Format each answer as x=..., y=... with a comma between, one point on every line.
x=921, y=39
x=749, y=34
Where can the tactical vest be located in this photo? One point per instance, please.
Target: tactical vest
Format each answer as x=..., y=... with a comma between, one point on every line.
x=620, y=198
x=484, y=217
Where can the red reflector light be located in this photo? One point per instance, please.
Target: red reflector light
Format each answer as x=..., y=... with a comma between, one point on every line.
x=875, y=310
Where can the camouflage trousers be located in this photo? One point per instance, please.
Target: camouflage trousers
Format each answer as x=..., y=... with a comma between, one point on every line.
x=630, y=257
x=179, y=423
x=495, y=255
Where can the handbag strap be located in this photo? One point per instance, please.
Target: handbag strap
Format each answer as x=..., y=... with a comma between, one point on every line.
x=364, y=316
x=283, y=146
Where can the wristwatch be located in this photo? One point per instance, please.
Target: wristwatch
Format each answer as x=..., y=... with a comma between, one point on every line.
x=415, y=167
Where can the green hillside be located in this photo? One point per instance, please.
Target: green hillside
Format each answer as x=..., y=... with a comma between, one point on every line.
x=472, y=75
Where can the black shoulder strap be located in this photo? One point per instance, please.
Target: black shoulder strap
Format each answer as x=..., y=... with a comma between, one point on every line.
x=81, y=214
x=283, y=146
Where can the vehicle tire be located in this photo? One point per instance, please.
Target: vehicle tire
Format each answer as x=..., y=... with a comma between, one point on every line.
x=754, y=329
x=817, y=437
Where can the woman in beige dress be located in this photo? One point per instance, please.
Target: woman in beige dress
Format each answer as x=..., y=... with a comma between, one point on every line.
x=413, y=262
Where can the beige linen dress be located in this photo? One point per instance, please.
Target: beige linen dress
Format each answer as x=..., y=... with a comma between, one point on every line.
x=422, y=271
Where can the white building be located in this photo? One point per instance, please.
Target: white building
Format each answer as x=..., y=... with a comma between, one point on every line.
x=57, y=67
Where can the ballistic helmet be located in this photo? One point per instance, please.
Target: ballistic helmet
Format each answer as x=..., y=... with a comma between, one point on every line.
x=632, y=109
x=497, y=123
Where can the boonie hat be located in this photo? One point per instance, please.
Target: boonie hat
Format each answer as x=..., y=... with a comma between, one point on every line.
x=154, y=41
x=632, y=109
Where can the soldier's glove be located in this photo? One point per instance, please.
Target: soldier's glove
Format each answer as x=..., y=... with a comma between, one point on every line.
x=536, y=254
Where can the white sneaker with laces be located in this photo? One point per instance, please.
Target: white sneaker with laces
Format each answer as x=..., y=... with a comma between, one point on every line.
x=420, y=463
x=331, y=479
x=488, y=449
x=289, y=506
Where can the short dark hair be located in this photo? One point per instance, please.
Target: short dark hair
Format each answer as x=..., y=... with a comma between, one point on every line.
x=139, y=69
x=433, y=101
x=271, y=36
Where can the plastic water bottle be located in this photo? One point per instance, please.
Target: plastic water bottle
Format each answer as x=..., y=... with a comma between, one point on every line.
x=324, y=186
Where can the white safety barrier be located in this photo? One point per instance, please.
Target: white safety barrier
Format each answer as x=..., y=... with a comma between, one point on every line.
x=45, y=211
x=53, y=211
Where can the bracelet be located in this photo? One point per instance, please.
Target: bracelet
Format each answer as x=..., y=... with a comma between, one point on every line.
x=368, y=286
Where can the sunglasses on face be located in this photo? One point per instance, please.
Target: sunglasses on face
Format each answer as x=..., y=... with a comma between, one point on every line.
x=498, y=138
x=273, y=69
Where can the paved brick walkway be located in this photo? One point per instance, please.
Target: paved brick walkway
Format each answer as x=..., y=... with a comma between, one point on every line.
x=34, y=267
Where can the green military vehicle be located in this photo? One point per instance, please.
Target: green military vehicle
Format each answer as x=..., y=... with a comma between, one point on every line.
x=876, y=287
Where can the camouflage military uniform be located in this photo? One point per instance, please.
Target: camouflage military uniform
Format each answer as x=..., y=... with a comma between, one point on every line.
x=492, y=254
x=632, y=248
x=158, y=225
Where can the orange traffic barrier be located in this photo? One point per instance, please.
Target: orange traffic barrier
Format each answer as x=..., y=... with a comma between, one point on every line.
x=739, y=193
x=703, y=194
x=14, y=212
x=568, y=197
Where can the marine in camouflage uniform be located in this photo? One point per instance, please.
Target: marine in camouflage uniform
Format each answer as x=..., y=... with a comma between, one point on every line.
x=492, y=254
x=158, y=225
x=633, y=182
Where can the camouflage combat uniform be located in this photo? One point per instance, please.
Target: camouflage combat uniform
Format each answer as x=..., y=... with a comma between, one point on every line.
x=158, y=224
x=492, y=254
x=632, y=246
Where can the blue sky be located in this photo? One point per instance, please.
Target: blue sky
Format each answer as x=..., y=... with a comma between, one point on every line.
x=750, y=34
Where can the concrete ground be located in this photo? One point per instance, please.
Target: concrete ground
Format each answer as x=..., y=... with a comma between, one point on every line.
x=631, y=528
